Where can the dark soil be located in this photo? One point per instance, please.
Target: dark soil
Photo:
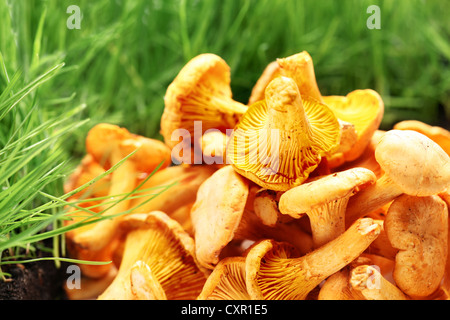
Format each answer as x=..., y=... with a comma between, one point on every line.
x=34, y=281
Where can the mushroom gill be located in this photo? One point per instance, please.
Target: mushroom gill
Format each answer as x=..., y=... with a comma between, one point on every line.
x=279, y=141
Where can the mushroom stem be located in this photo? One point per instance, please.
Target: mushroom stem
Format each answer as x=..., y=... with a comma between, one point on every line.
x=328, y=221
x=336, y=287
x=371, y=198
x=293, y=278
x=412, y=163
x=285, y=107
x=373, y=286
x=325, y=200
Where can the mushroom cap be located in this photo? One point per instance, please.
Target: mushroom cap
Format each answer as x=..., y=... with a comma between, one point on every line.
x=298, y=66
x=217, y=212
x=271, y=71
x=206, y=67
x=227, y=281
x=279, y=141
x=367, y=158
x=418, y=227
x=414, y=162
x=438, y=134
x=104, y=138
x=168, y=250
x=87, y=170
x=149, y=155
x=205, y=74
x=364, y=108
x=323, y=190
x=256, y=256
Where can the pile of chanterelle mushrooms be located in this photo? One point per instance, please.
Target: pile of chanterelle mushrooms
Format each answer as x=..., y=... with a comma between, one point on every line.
x=292, y=196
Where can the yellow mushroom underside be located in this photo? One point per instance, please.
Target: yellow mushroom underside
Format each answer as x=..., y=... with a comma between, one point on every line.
x=231, y=285
x=171, y=264
x=279, y=159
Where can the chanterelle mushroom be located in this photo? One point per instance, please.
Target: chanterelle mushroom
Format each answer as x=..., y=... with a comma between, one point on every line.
x=216, y=213
x=412, y=164
x=106, y=145
x=167, y=256
x=219, y=216
x=271, y=275
x=227, y=281
x=281, y=140
x=200, y=92
x=299, y=67
x=325, y=200
x=418, y=227
x=438, y=134
x=364, y=108
x=109, y=144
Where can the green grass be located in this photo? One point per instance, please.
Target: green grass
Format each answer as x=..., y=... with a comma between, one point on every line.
x=56, y=83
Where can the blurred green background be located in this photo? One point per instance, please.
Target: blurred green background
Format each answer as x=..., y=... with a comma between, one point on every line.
x=125, y=54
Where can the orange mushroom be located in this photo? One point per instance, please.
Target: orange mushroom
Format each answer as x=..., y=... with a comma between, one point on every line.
x=108, y=145
x=200, y=92
x=281, y=140
x=158, y=261
x=418, y=228
x=219, y=216
x=172, y=190
x=299, y=67
x=271, y=274
x=412, y=164
x=324, y=200
x=445, y=287
x=227, y=281
x=364, y=108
